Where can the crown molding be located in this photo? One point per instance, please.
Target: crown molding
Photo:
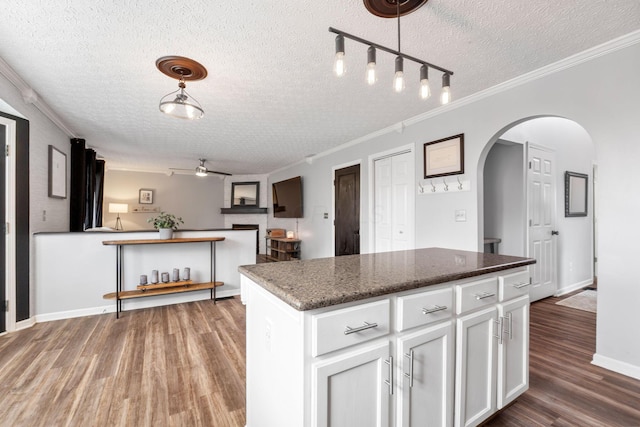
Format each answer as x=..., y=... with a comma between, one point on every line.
x=31, y=97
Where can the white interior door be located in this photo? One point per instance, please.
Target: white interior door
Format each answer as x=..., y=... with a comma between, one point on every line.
x=542, y=217
x=394, y=202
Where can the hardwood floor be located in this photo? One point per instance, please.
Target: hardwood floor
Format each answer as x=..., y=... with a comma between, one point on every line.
x=565, y=388
x=179, y=365
x=184, y=365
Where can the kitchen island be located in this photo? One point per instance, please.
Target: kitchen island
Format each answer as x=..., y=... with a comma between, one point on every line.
x=423, y=337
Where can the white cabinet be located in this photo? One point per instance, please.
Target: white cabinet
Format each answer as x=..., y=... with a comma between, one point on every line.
x=492, y=350
x=476, y=361
x=425, y=380
x=513, y=354
x=443, y=355
x=353, y=389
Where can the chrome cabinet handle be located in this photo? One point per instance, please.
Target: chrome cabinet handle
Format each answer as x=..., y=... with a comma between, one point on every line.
x=389, y=382
x=349, y=330
x=498, y=334
x=521, y=285
x=410, y=374
x=485, y=295
x=435, y=308
x=509, y=318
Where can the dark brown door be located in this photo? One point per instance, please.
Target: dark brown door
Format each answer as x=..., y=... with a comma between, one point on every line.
x=347, y=215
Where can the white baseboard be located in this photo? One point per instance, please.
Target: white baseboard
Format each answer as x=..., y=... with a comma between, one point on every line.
x=616, y=366
x=131, y=305
x=26, y=323
x=574, y=287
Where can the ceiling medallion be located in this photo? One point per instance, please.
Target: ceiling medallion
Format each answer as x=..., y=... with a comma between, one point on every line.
x=179, y=103
x=388, y=8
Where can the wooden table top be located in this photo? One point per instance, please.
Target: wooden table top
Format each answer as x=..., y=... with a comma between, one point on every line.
x=162, y=241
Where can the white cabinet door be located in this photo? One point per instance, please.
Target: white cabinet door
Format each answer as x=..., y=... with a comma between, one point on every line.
x=476, y=346
x=426, y=357
x=513, y=353
x=351, y=390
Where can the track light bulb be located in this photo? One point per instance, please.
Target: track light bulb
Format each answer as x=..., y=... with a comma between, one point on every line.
x=398, y=79
x=425, y=90
x=445, y=95
x=339, y=65
x=371, y=65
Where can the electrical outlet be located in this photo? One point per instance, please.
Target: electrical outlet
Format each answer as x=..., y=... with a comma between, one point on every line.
x=326, y=215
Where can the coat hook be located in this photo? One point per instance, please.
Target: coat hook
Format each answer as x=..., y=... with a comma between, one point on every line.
x=421, y=187
x=459, y=183
x=446, y=187
x=433, y=187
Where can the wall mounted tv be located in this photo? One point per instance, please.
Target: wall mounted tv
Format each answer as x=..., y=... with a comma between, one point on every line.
x=287, y=198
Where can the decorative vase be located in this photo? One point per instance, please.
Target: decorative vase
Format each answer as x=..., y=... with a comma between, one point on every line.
x=165, y=233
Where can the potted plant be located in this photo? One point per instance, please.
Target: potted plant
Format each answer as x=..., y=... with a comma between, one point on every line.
x=165, y=223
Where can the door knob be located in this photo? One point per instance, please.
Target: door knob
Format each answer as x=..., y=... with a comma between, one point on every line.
x=555, y=232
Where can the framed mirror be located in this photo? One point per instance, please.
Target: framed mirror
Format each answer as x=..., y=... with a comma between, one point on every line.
x=575, y=194
x=245, y=194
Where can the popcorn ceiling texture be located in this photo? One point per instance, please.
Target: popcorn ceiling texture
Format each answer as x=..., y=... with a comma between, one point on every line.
x=270, y=98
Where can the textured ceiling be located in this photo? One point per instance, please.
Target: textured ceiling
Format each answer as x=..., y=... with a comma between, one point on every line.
x=270, y=98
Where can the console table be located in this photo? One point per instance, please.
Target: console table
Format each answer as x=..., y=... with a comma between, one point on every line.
x=161, y=288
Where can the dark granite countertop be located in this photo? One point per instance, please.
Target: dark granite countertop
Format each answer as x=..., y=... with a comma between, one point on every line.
x=323, y=282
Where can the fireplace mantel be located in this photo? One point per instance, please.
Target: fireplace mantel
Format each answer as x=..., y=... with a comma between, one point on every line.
x=243, y=210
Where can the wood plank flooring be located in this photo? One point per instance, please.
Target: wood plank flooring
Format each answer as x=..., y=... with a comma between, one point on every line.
x=184, y=365
x=180, y=365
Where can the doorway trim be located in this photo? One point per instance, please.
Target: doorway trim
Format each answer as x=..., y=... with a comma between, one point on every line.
x=333, y=197
x=10, y=215
x=409, y=148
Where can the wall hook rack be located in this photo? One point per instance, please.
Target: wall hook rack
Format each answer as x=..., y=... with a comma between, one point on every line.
x=433, y=187
x=446, y=187
x=459, y=183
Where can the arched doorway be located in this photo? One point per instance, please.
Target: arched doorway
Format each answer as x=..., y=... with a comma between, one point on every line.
x=507, y=205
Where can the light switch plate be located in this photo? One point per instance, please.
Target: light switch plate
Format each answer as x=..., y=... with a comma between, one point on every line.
x=461, y=215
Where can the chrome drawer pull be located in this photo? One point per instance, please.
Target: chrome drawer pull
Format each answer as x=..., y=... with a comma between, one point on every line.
x=521, y=285
x=500, y=328
x=485, y=295
x=435, y=309
x=348, y=330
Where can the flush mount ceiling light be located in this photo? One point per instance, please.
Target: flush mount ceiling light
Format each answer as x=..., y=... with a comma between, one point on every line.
x=179, y=103
x=391, y=9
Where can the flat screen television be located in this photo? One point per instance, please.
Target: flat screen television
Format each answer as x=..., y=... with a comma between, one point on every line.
x=287, y=198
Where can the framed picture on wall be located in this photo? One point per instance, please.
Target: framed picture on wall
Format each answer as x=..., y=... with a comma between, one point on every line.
x=145, y=196
x=57, y=173
x=575, y=194
x=444, y=157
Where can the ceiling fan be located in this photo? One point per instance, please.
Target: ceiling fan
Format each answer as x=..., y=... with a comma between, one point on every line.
x=202, y=170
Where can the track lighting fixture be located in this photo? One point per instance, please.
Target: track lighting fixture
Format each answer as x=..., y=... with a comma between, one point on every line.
x=382, y=8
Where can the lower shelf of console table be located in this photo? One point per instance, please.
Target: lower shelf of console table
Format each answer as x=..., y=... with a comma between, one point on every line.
x=163, y=290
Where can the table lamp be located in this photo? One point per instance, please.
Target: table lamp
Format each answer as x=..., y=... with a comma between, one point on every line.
x=118, y=208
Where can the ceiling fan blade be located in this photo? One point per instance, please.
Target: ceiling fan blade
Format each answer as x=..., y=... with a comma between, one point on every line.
x=219, y=173
x=180, y=169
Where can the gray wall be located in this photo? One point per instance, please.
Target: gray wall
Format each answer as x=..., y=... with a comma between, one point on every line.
x=196, y=199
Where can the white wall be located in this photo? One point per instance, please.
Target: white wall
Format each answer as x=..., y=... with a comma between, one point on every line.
x=74, y=270
x=196, y=199
x=599, y=91
x=504, y=201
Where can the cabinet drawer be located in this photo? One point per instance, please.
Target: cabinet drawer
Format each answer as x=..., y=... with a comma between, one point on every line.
x=476, y=294
x=513, y=285
x=338, y=329
x=424, y=308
